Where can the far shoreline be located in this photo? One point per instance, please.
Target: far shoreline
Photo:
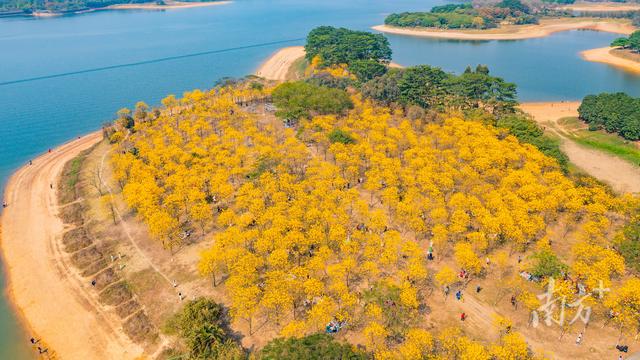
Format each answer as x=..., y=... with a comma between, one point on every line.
x=515, y=32
x=601, y=7
x=170, y=5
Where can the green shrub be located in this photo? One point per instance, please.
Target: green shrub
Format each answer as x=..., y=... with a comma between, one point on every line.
x=628, y=243
x=341, y=136
x=619, y=113
x=203, y=325
x=344, y=46
x=547, y=264
x=366, y=70
x=312, y=347
x=299, y=99
x=632, y=42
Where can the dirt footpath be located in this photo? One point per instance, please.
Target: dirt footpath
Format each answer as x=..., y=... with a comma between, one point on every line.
x=51, y=299
x=620, y=174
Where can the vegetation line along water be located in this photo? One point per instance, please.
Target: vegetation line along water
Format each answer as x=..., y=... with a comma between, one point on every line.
x=146, y=62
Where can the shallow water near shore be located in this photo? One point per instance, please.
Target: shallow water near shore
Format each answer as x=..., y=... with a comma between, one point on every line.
x=145, y=55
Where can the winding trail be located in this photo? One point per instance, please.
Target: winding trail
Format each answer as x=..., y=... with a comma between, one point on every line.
x=52, y=299
x=620, y=174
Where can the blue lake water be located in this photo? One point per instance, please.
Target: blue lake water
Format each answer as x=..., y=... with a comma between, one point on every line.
x=39, y=114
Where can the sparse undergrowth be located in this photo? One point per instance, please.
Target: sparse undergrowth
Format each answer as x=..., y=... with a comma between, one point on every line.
x=90, y=256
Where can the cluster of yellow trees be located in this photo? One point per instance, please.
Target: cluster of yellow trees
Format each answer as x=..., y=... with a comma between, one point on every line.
x=305, y=231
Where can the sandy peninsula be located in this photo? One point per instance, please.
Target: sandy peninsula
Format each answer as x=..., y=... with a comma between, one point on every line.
x=277, y=66
x=45, y=14
x=620, y=174
x=613, y=57
x=601, y=7
x=50, y=298
x=516, y=32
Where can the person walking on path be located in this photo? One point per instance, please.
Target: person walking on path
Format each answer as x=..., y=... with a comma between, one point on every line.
x=463, y=316
x=579, y=339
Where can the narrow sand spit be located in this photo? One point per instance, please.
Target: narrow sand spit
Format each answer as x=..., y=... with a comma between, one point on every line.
x=620, y=174
x=606, y=56
x=52, y=300
x=601, y=7
x=277, y=65
x=514, y=32
x=168, y=5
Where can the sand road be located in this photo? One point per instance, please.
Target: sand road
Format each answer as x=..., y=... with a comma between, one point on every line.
x=620, y=174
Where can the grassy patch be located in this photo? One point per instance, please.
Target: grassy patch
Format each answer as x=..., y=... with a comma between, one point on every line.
x=70, y=177
x=116, y=294
x=600, y=140
x=297, y=69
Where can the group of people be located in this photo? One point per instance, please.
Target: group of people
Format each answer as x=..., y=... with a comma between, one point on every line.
x=530, y=277
x=41, y=350
x=334, y=326
x=430, y=253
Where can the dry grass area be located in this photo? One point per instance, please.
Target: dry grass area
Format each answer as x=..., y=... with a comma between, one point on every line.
x=92, y=244
x=626, y=54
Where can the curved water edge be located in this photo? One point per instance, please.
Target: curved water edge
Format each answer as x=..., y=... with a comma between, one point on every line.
x=40, y=114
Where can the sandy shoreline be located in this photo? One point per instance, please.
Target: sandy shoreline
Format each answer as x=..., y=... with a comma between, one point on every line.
x=277, y=66
x=53, y=303
x=620, y=174
x=515, y=32
x=606, y=56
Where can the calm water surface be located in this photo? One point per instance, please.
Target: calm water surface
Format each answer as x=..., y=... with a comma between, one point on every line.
x=36, y=115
